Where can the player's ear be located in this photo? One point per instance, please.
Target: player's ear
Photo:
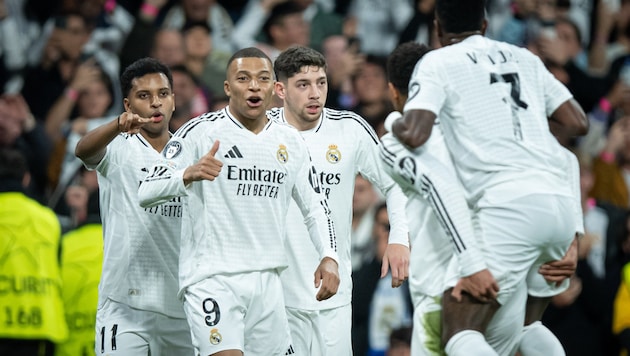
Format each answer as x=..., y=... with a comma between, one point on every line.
x=126, y=103
x=393, y=93
x=394, y=96
x=279, y=89
x=226, y=88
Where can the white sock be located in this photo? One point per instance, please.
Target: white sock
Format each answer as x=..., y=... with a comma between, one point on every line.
x=537, y=340
x=468, y=343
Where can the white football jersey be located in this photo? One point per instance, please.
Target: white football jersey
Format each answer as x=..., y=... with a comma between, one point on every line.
x=141, y=246
x=342, y=145
x=493, y=100
x=237, y=223
x=573, y=172
x=441, y=224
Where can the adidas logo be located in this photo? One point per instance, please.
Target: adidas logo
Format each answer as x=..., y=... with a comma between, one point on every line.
x=233, y=153
x=290, y=351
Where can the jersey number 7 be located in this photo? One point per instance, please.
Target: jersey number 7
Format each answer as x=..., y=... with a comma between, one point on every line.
x=515, y=94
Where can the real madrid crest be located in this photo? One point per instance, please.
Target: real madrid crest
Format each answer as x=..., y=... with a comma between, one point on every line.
x=282, y=155
x=215, y=337
x=172, y=149
x=333, y=155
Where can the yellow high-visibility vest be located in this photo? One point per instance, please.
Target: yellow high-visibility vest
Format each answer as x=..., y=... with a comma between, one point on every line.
x=81, y=265
x=30, y=280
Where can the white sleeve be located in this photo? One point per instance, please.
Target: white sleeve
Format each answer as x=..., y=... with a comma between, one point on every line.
x=431, y=180
x=426, y=86
x=249, y=25
x=309, y=197
x=371, y=168
x=573, y=173
x=166, y=178
x=556, y=93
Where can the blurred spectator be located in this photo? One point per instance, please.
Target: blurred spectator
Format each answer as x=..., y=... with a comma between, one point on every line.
x=190, y=100
x=581, y=317
x=81, y=261
x=48, y=77
x=515, y=28
x=17, y=32
x=370, y=87
x=420, y=27
x=248, y=30
x=169, y=47
x=560, y=43
x=259, y=14
x=140, y=41
x=614, y=104
x=108, y=22
x=611, y=37
x=364, y=202
x=234, y=8
x=19, y=130
x=323, y=21
x=92, y=105
x=377, y=308
x=208, y=11
x=33, y=317
x=612, y=166
x=207, y=64
x=283, y=26
x=379, y=23
x=197, y=46
x=344, y=61
x=88, y=97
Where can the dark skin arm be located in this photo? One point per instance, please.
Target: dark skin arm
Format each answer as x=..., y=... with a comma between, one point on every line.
x=414, y=129
x=569, y=120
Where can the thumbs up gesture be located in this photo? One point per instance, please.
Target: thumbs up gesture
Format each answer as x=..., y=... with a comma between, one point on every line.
x=208, y=167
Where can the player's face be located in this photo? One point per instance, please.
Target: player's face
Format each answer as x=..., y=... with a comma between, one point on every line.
x=249, y=86
x=304, y=96
x=151, y=96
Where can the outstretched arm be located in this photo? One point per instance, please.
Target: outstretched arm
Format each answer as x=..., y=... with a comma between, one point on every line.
x=92, y=147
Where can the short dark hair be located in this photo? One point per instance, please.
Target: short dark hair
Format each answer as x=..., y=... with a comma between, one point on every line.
x=180, y=68
x=290, y=61
x=13, y=165
x=140, y=68
x=401, y=63
x=277, y=15
x=248, y=52
x=192, y=24
x=457, y=16
x=568, y=21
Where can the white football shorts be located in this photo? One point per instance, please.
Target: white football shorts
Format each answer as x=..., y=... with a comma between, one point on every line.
x=243, y=311
x=125, y=331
